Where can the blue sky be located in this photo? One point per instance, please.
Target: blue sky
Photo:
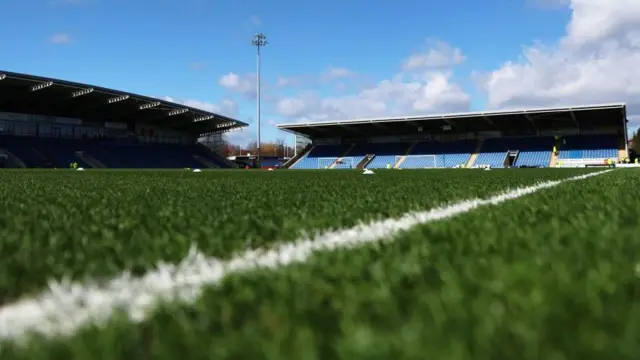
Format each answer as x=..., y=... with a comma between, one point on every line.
x=329, y=59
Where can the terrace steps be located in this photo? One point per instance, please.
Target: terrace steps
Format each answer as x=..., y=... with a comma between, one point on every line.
x=13, y=160
x=365, y=161
x=554, y=159
x=206, y=163
x=46, y=161
x=342, y=156
x=475, y=154
x=622, y=154
x=217, y=156
x=39, y=154
x=89, y=160
x=307, y=149
x=406, y=153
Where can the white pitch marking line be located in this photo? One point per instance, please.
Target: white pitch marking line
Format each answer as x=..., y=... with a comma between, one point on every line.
x=66, y=307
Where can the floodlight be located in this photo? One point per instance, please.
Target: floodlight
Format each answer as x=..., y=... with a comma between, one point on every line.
x=41, y=86
x=149, y=105
x=118, y=99
x=259, y=40
x=224, y=124
x=82, y=92
x=203, y=118
x=177, y=112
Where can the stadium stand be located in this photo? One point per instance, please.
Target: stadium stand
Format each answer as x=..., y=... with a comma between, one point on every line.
x=50, y=123
x=581, y=136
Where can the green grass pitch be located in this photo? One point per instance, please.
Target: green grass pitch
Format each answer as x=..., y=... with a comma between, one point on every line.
x=554, y=274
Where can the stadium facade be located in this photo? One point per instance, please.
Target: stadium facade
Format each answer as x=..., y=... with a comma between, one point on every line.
x=552, y=137
x=47, y=122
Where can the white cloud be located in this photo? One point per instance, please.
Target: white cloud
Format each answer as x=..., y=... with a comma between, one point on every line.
x=60, y=38
x=283, y=81
x=634, y=122
x=440, y=56
x=245, y=84
x=226, y=107
x=389, y=97
x=596, y=61
x=439, y=93
x=338, y=73
x=291, y=107
x=240, y=137
x=428, y=91
x=333, y=73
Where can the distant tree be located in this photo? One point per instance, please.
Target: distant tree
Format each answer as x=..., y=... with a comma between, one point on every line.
x=252, y=148
x=635, y=141
x=231, y=149
x=269, y=148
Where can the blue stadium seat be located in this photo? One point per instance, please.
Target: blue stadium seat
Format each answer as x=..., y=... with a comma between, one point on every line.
x=445, y=154
x=381, y=161
x=589, y=147
x=532, y=151
x=439, y=154
x=418, y=162
x=494, y=152
x=54, y=152
x=493, y=159
x=271, y=162
x=23, y=149
x=533, y=158
x=306, y=163
x=321, y=156
x=385, y=154
x=349, y=162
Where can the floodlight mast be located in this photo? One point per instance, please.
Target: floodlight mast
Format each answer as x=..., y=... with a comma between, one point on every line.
x=259, y=40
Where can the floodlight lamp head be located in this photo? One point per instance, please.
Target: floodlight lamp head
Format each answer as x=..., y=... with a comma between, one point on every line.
x=259, y=39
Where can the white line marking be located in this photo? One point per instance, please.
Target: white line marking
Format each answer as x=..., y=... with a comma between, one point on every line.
x=66, y=307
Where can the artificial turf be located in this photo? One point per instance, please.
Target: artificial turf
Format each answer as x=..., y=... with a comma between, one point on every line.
x=547, y=276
